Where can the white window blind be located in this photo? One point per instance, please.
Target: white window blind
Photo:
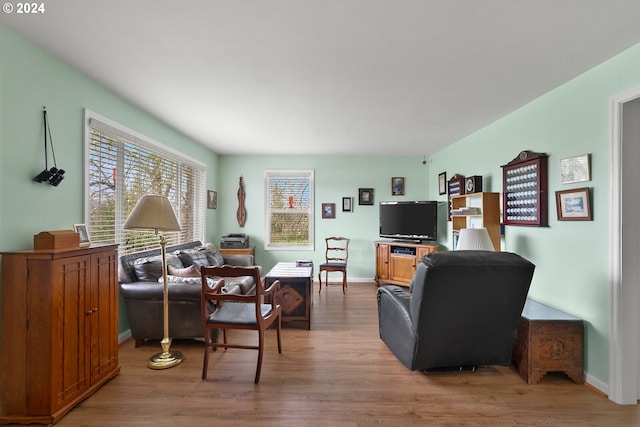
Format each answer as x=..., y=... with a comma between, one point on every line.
x=123, y=166
x=289, y=210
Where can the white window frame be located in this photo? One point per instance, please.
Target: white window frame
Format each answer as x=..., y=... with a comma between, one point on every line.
x=280, y=174
x=199, y=193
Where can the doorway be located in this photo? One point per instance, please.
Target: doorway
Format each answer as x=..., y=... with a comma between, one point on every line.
x=624, y=249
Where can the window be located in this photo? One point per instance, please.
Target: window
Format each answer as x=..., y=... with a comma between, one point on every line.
x=121, y=167
x=289, y=210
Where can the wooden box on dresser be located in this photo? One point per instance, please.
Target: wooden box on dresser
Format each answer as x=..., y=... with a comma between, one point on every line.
x=59, y=330
x=396, y=261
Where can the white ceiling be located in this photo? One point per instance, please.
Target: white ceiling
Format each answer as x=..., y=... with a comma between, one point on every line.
x=342, y=77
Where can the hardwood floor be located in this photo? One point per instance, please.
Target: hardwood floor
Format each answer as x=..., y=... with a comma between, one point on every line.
x=337, y=374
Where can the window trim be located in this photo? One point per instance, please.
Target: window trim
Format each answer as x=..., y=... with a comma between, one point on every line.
x=144, y=142
x=306, y=173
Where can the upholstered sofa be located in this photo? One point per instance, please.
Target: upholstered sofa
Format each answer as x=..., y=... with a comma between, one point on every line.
x=141, y=288
x=461, y=311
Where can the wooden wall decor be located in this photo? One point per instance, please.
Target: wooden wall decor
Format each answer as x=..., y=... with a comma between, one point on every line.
x=524, y=185
x=241, y=214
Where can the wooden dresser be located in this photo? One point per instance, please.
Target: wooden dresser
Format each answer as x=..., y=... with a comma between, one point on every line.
x=59, y=330
x=548, y=340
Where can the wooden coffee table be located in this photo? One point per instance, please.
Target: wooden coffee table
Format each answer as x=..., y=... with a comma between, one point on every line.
x=295, y=292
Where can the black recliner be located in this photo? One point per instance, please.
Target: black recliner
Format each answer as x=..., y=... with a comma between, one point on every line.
x=461, y=311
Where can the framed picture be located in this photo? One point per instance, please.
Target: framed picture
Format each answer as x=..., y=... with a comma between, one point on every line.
x=328, y=210
x=212, y=199
x=573, y=205
x=365, y=196
x=347, y=203
x=81, y=229
x=442, y=183
x=397, y=186
x=575, y=169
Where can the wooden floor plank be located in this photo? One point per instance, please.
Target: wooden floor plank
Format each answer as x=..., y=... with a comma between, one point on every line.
x=337, y=374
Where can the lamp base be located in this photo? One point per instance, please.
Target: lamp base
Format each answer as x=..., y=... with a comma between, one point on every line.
x=165, y=359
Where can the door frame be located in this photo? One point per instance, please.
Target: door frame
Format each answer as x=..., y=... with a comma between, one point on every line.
x=624, y=299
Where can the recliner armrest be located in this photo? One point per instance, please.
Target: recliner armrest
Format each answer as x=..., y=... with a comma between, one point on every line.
x=395, y=325
x=397, y=300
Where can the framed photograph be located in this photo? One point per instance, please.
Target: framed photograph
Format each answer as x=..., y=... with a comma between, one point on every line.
x=347, y=204
x=212, y=199
x=575, y=169
x=442, y=183
x=397, y=186
x=573, y=205
x=81, y=229
x=365, y=196
x=328, y=210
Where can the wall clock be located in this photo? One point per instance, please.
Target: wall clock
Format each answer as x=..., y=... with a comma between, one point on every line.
x=473, y=184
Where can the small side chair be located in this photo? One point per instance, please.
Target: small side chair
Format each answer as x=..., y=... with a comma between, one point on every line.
x=336, y=256
x=236, y=311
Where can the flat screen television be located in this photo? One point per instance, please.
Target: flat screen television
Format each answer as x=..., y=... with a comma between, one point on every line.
x=409, y=220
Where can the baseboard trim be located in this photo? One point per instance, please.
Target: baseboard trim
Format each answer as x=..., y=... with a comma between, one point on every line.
x=596, y=385
x=124, y=336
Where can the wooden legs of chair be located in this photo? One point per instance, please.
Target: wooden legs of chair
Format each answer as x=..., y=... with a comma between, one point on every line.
x=210, y=337
x=344, y=279
x=208, y=344
x=261, y=348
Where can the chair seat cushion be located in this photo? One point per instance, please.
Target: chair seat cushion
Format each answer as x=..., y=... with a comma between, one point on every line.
x=238, y=313
x=333, y=265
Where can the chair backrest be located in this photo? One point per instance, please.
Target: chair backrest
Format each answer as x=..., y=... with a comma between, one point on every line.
x=466, y=305
x=214, y=293
x=337, y=249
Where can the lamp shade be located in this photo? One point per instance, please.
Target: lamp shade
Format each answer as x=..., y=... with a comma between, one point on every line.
x=474, y=239
x=152, y=212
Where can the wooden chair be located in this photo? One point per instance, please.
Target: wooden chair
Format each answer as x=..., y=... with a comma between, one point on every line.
x=235, y=311
x=336, y=255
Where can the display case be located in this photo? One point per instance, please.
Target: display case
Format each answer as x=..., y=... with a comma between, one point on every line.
x=455, y=187
x=525, y=195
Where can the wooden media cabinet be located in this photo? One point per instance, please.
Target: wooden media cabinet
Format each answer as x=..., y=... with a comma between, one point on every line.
x=396, y=261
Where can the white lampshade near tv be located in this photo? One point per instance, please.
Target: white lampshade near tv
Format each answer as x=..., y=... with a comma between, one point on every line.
x=474, y=239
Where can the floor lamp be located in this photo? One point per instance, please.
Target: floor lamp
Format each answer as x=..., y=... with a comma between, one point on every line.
x=155, y=213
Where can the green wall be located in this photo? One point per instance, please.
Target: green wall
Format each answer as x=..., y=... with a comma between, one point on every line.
x=29, y=80
x=334, y=178
x=571, y=257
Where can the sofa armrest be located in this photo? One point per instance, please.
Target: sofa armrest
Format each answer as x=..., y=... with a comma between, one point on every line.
x=154, y=291
x=241, y=260
x=394, y=321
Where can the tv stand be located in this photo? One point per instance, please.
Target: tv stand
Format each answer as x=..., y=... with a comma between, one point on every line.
x=396, y=261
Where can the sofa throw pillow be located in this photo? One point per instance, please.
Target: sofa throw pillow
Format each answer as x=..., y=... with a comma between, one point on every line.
x=214, y=255
x=206, y=254
x=149, y=269
x=190, y=271
x=193, y=257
